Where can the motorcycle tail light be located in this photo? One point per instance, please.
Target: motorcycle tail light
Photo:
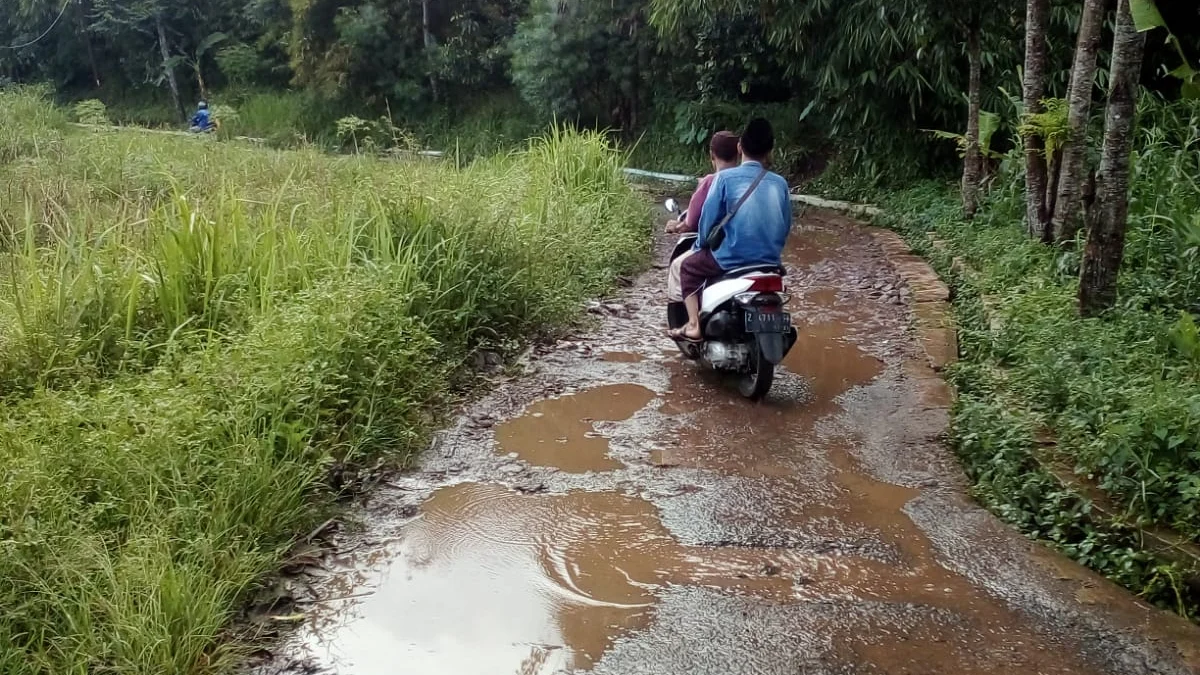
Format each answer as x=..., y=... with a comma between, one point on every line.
x=767, y=284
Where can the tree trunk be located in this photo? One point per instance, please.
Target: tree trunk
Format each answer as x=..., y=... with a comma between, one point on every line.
x=1053, y=173
x=84, y=10
x=973, y=161
x=200, y=81
x=427, y=34
x=1037, y=213
x=92, y=61
x=169, y=70
x=1066, y=217
x=635, y=103
x=1106, y=226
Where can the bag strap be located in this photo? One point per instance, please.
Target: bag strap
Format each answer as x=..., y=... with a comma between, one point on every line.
x=736, y=207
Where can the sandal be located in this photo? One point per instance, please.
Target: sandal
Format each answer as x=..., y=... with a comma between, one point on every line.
x=677, y=334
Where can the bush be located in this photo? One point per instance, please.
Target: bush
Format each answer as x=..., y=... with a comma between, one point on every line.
x=91, y=111
x=497, y=122
x=285, y=119
x=240, y=63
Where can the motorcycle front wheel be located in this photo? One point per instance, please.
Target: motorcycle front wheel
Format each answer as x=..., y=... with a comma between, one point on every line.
x=755, y=383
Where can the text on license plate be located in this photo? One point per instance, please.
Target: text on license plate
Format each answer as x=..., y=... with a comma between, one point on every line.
x=767, y=322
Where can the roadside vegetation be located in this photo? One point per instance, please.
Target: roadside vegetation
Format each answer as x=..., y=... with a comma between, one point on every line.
x=203, y=345
x=1083, y=432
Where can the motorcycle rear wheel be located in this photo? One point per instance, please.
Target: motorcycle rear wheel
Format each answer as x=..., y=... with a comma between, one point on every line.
x=755, y=383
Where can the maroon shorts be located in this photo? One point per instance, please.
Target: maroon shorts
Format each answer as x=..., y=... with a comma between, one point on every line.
x=697, y=269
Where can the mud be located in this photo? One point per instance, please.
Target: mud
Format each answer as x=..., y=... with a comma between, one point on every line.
x=489, y=580
x=561, y=433
x=616, y=510
x=623, y=357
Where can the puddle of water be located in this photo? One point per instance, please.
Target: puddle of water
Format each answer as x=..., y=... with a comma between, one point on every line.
x=987, y=636
x=663, y=458
x=879, y=506
x=695, y=451
x=723, y=431
x=622, y=357
x=490, y=581
x=870, y=501
x=821, y=304
x=766, y=439
x=977, y=634
x=558, y=432
x=808, y=247
x=934, y=649
x=831, y=364
x=821, y=297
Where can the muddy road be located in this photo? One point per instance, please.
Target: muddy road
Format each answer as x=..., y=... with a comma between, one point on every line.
x=613, y=510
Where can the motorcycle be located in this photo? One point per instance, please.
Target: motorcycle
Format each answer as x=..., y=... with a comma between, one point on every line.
x=745, y=330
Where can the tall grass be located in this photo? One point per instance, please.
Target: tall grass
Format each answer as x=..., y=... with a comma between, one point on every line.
x=39, y=129
x=284, y=119
x=494, y=123
x=198, y=339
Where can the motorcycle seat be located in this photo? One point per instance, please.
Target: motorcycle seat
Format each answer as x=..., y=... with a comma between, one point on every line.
x=751, y=269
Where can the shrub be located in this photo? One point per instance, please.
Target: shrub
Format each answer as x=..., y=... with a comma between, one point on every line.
x=91, y=111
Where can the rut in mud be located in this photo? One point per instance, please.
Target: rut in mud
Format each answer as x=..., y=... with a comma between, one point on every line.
x=615, y=510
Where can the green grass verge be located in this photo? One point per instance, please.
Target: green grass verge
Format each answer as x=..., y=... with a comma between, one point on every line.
x=200, y=341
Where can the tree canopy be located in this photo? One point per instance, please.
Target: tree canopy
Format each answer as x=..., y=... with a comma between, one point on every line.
x=869, y=73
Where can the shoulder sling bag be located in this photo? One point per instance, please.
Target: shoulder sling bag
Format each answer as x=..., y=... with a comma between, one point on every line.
x=716, y=236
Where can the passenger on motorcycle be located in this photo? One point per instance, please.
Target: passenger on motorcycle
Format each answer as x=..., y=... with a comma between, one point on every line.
x=755, y=235
x=202, y=120
x=723, y=152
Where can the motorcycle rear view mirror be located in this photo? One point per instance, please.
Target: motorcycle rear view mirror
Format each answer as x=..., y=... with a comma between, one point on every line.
x=672, y=206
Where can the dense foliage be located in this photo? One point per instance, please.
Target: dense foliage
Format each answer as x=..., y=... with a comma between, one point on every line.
x=867, y=73
x=200, y=342
x=863, y=77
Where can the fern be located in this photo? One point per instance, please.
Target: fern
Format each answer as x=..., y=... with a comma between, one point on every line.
x=1050, y=125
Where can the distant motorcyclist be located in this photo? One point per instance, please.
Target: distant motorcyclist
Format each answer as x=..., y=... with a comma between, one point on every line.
x=202, y=120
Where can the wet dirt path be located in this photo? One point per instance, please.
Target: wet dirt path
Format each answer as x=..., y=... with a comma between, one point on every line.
x=614, y=510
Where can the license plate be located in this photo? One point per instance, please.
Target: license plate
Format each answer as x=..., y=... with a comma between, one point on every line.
x=767, y=322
